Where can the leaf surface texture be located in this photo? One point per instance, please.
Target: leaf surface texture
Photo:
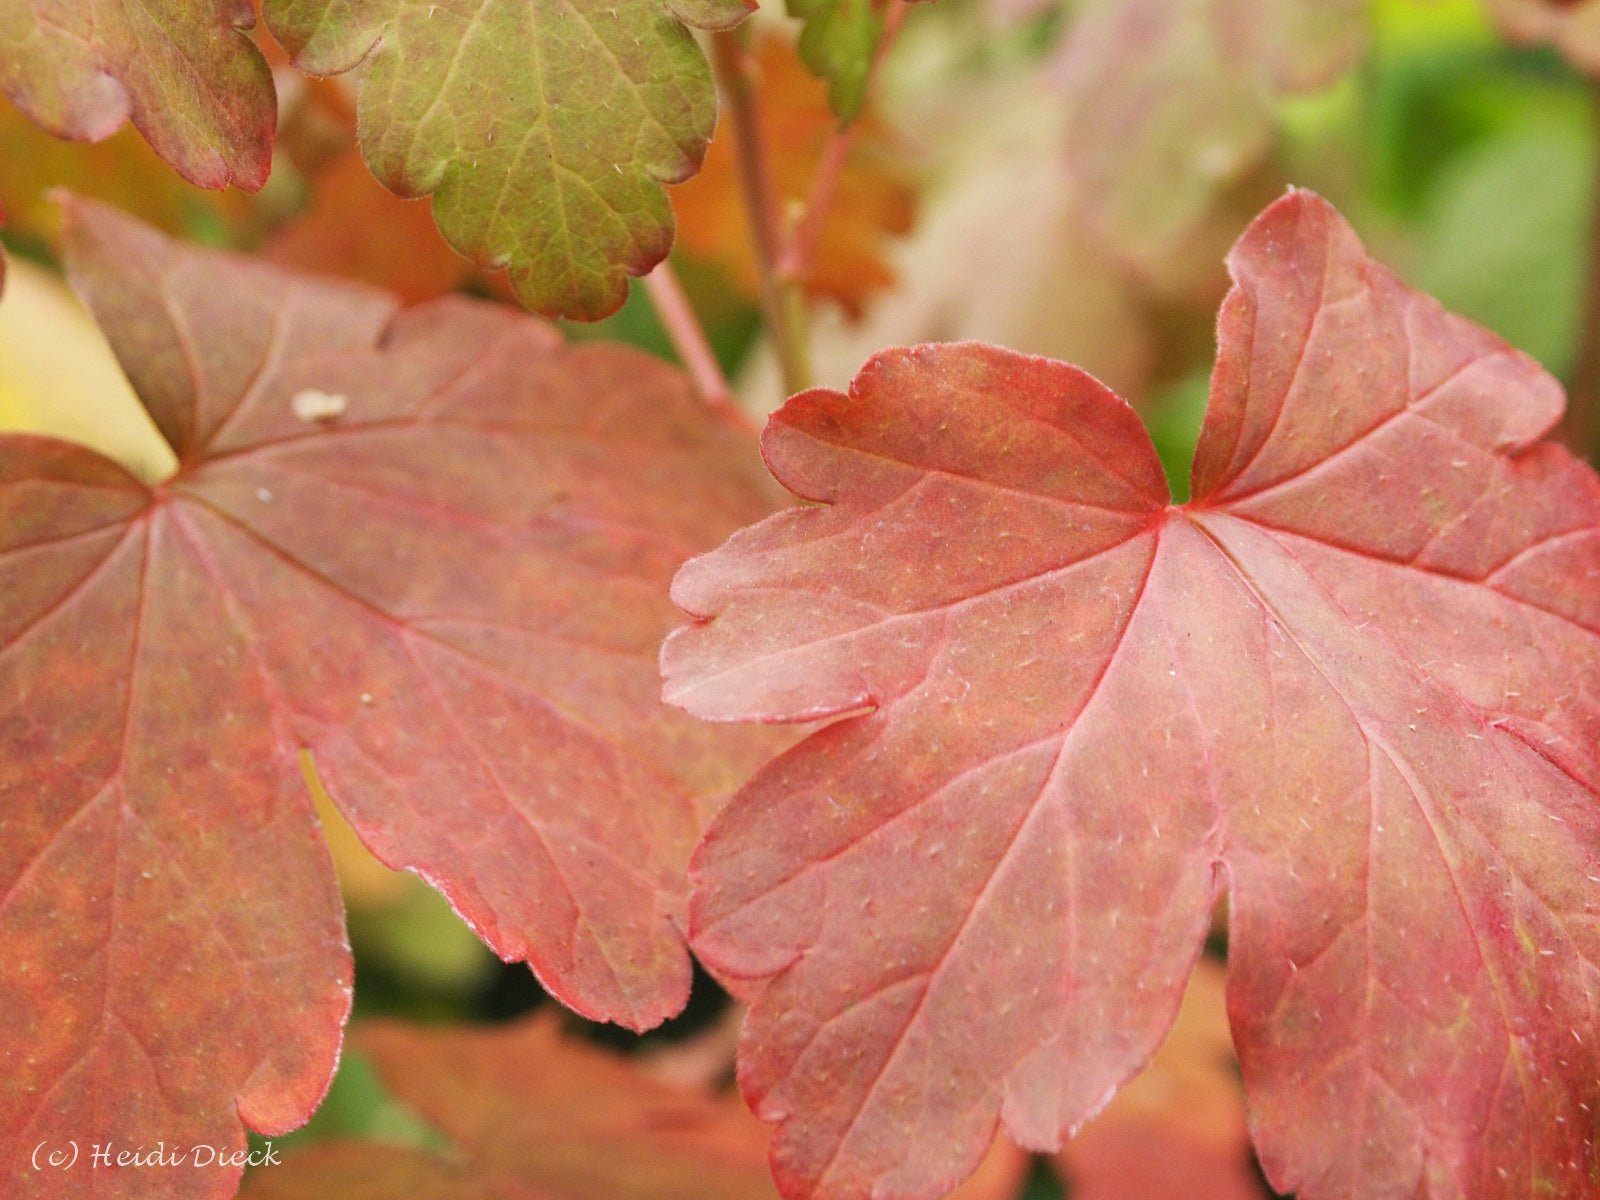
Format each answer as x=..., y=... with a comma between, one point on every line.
x=1353, y=682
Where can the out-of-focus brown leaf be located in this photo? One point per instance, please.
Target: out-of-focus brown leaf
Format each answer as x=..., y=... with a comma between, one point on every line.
x=357, y=228
x=875, y=200
x=1000, y=1176
x=1572, y=25
x=531, y=1113
x=1178, y=1128
x=704, y=1060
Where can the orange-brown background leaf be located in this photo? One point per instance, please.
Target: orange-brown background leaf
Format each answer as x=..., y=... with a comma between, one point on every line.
x=122, y=170
x=530, y=1112
x=875, y=200
x=1178, y=1127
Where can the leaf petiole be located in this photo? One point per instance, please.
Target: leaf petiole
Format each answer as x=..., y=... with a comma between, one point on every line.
x=782, y=303
x=688, y=338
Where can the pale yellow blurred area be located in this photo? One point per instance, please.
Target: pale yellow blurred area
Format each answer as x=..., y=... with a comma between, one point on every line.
x=395, y=919
x=362, y=878
x=59, y=377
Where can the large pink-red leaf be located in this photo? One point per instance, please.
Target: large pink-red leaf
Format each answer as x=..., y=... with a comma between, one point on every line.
x=1354, y=682
x=184, y=71
x=431, y=547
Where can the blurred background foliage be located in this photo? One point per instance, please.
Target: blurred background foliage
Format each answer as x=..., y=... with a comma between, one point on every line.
x=1062, y=178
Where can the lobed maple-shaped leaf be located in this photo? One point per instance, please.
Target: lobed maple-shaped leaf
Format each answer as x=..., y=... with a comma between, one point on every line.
x=184, y=71
x=543, y=130
x=431, y=547
x=1353, y=681
x=1572, y=25
x=529, y=1112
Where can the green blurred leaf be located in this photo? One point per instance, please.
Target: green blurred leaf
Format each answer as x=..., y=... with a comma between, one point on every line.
x=1174, y=420
x=1505, y=231
x=731, y=323
x=421, y=939
x=838, y=44
x=543, y=132
x=1042, y=1183
x=358, y=1105
x=1408, y=25
x=1440, y=83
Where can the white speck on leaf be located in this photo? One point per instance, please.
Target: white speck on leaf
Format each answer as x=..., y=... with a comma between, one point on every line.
x=311, y=405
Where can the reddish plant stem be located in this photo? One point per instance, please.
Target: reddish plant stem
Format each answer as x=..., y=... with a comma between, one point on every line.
x=784, y=306
x=689, y=338
x=800, y=254
x=736, y=73
x=1581, y=425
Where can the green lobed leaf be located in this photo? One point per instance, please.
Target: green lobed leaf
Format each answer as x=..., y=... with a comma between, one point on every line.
x=543, y=129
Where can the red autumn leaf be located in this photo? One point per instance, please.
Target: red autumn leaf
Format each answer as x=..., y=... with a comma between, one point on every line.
x=429, y=546
x=1352, y=681
x=1178, y=1127
x=184, y=71
x=530, y=1113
